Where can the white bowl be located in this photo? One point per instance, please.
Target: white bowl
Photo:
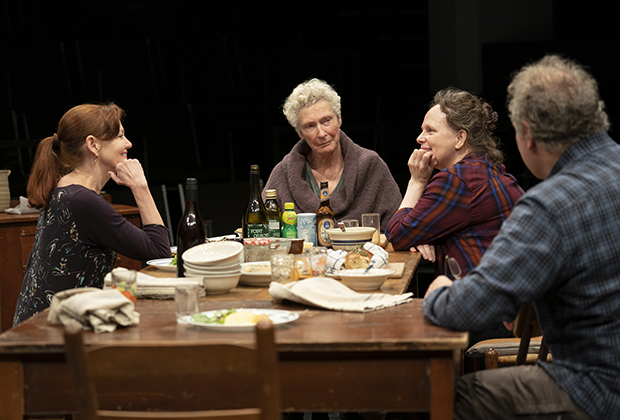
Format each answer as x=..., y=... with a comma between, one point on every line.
x=214, y=253
x=219, y=285
x=354, y=237
x=256, y=273
x=193, y=272
x=215, y=267
x=372, y=280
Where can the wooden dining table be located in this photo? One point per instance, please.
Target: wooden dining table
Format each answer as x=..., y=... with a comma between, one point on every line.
x=391, y=359
x=405, y=261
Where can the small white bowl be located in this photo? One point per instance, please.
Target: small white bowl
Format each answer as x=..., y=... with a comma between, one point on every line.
x=372, y=280
x=213, y=253
x=352, y=238
x=219, y=285
x=256, y=273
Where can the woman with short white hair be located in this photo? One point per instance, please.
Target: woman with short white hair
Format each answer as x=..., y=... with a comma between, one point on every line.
x=359, y=180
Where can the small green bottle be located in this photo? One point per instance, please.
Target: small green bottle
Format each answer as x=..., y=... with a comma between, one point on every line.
x=274, y=213
x=289, y=221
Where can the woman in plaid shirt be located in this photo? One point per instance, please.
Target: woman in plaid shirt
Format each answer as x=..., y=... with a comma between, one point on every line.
x=459, y=210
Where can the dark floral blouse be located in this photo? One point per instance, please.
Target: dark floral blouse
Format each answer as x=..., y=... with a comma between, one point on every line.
x=77, y=239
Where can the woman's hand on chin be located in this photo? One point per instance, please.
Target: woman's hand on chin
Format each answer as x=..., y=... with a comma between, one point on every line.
x=421, y=164
x=129, y=173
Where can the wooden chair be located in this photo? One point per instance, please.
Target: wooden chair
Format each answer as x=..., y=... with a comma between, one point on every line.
x=528, y=347
x=132, y=374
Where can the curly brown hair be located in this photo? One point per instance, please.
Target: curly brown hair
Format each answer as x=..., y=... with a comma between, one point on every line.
x=468, y=112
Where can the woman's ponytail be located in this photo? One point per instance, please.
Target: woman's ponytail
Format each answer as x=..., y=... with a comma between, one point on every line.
x=45, y=172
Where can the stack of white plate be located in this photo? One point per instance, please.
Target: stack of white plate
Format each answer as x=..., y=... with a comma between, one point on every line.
x=218, y=263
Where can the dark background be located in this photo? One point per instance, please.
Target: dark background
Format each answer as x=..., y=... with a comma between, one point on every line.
x=203, y=82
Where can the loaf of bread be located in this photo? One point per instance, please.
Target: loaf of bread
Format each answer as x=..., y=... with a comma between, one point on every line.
x=358, y=258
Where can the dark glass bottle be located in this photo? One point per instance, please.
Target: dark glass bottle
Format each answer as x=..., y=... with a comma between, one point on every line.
x=324, y=217
x=255, y=220
x=191, y=229
x=274, y=213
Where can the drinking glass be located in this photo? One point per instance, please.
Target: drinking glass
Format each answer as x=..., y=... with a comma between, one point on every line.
x=126, y=281
x=373, y=220
x=186, y=300
x=283, y=268
x=318, y=258
x=303, y=265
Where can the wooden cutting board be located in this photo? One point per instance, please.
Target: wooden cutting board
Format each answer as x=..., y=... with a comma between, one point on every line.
x=399, y=269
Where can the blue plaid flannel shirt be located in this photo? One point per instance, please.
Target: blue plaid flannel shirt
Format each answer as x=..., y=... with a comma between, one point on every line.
x=560, y=248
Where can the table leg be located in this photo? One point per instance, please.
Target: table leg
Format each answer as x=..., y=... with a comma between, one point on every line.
x=11, y=390
x=442, y=388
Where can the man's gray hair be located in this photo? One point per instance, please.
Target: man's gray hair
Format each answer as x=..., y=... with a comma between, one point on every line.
x=559, y=100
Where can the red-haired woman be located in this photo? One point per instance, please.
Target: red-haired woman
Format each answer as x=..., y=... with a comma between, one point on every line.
x=78, y=232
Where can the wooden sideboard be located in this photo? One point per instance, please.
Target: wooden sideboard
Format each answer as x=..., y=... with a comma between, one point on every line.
x=16, y=239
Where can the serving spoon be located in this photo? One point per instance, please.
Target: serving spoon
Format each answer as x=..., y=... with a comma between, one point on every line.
x=370, y=265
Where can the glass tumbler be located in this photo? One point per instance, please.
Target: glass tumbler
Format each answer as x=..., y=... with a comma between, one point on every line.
x=126, y=281
x=186, y=300
x=318, y=258
x=283, y=268
x=373, y=220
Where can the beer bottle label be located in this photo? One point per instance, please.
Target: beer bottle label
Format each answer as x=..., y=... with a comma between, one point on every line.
x=258, y=231
x=323, y=236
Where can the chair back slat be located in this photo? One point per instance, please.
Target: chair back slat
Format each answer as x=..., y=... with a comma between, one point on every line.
x=141, y=378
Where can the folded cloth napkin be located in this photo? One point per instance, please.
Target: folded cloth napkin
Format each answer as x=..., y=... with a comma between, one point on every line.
x=22, y=208
x=157, y=288
x=328, y=293
x=335, y=258
x=101, y=310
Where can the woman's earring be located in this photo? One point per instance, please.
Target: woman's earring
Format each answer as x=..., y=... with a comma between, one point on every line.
x=96, y=158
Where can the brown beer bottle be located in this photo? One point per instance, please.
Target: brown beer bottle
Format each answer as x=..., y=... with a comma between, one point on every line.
x=324, y=217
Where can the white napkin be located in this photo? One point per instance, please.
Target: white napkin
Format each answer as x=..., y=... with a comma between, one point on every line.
x=22, y=208
x=335, y=258
x=328, y=293
x=157, y=288
x=101, y=310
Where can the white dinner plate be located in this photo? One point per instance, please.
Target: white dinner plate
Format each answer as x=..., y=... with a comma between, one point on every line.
x=162, y=264
x=277, y=316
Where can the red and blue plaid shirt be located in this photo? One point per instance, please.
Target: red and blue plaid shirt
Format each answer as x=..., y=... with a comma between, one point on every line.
x=460, y=212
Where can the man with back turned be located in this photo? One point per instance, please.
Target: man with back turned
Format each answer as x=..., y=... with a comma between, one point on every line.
x=559, y=249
